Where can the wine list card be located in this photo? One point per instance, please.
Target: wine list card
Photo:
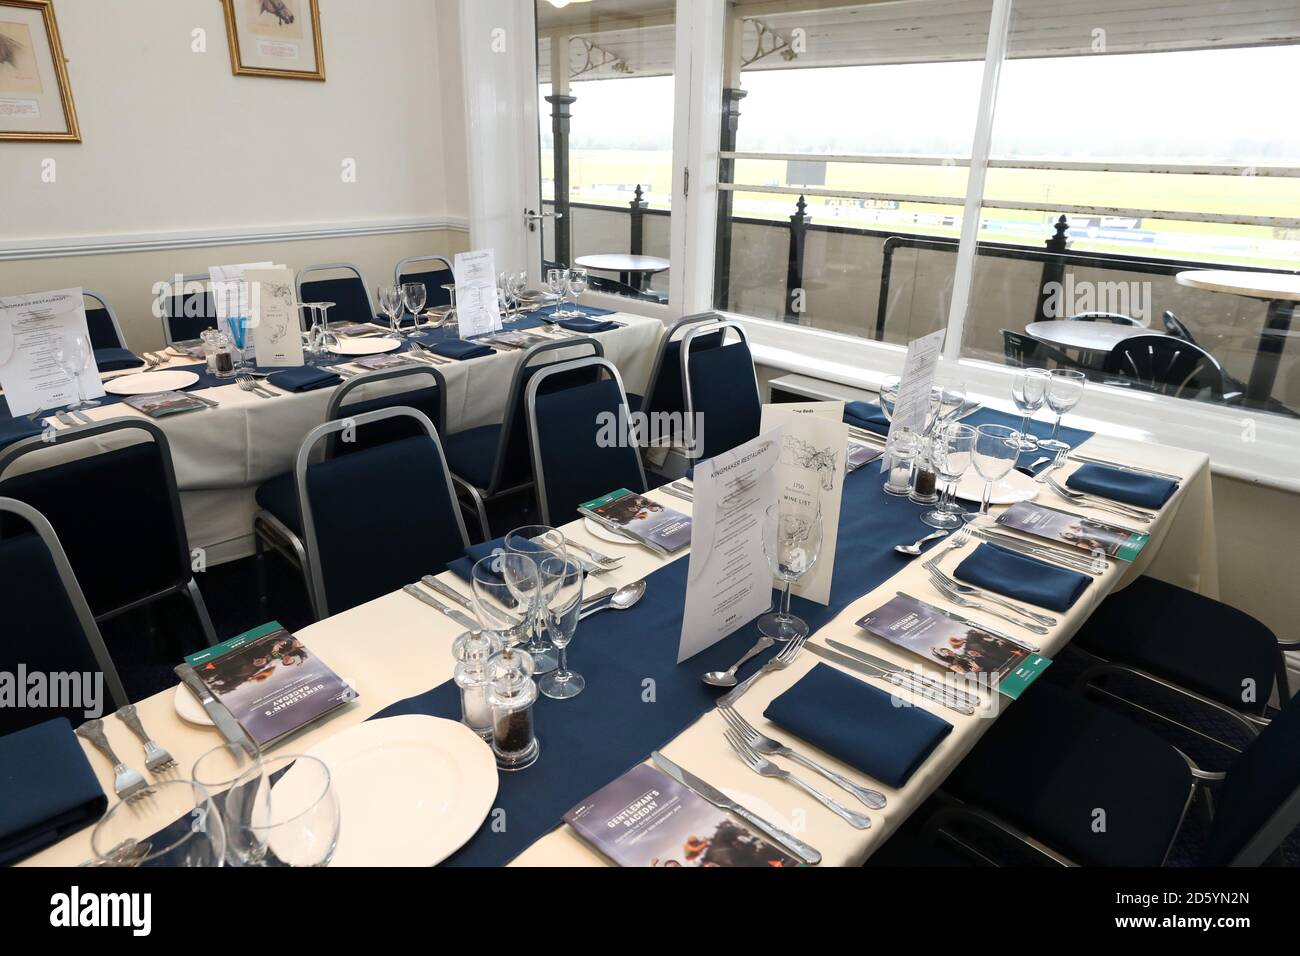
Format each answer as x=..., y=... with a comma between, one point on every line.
x=273, y=317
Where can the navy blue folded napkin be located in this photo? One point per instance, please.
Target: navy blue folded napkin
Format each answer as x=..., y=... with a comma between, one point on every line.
x=1143, y=491
x=866, y=415
x=47, y=789
x=859, y=724
x=1022, y=578
x=305, y=378
x=464, y=567
x=16, y=429
x=587, y=325
x=114, y=360
x=460, y=349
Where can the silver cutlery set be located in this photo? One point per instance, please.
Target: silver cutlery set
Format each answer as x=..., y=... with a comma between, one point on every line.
x=1044, y=477
x=129, y=784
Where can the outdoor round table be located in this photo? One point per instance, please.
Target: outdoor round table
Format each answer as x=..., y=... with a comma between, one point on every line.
x=1092, y=340
x=1281, y=290
x=631, y=269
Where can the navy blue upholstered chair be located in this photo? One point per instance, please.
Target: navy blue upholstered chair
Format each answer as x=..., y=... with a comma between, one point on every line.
x=565, y=424
x=116, y=510
x=663, y=389
x=189, y=311
x=101, y=322
x=48, y=625
x=433, y=271
x=722, y=387
x=356, y=554
x=1045, y=767
x=492, y=461
x=348, y=292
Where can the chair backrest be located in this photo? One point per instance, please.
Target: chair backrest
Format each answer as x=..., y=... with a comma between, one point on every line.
x=359, y=551
x=1114, y=318
x=513, y=467
x=116, y=511
x=580, y=437
x=433, y=271
x=428, y=397
x=1020, y=350
x=1174, y=326
x=349, y=293
x=101, y=321
x=1168, y=365
x=188, y=311
x=605, y=284
x=1259, y=802
x=722, y=387
x=49, y=628
x=664, y=391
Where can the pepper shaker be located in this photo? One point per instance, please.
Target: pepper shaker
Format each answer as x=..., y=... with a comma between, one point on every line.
x=511, y=696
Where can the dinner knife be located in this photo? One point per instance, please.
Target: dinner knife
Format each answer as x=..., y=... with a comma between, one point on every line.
x=437, y=605
x=954, y=616
x=220, y=714
x=1074, y=456
x=1078, y=561
x=873, y=661
x=723, y=802
x=448, y=592
x=897, y=678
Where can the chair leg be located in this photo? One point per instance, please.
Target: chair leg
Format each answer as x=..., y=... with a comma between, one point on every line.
x=201, y=611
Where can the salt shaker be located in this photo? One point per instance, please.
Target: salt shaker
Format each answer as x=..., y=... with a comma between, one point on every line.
x=474, y=651
x=511, y=696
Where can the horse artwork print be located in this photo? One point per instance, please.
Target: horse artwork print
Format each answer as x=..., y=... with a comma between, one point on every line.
x=279, y=38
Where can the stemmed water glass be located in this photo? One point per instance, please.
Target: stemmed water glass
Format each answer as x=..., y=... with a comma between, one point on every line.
x=496, y=606
x=575, y=285
x=996, y=450
x=285, y=813
x=177, y=826
x=792, y=541
x=540, y=542
x=951, y=454
x=450, y=317
x=414, y=295
x=557, y=283
x=562, y=609
x=1029, y=391
x=390, y=303
x=1064, y=389
x=74, y=355
x=219, y=770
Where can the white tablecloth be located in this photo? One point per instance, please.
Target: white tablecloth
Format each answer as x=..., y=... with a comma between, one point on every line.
x=415, y=656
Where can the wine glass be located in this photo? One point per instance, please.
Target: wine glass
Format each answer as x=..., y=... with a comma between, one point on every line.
x=178, y=825
x=75, y=356
x=889, y=397
x=951, y=454
x=285, y=812
x=450, y=317
x=219, y=770
x=575, y=285
x=540, y=542
x=390, y=303
x=996, y=450
x=1029, y=391
x=1064, y=389
x=414, y=295
x=518, y=285
x=496, y=606
x=314, y=345
x=562, y=609
x=557, y=284
x=792, y=540
x=329, y=341
x=505, y=296
x=946, y=402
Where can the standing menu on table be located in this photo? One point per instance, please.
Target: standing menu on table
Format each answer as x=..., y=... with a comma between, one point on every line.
x=32, y=329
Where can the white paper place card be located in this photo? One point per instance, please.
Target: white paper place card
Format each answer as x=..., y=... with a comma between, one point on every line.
x=477, y=309
x=912, y=404
x=32, y=330
x=814, y=447
x=273, y=317
x=729, y=582
x=230, y=291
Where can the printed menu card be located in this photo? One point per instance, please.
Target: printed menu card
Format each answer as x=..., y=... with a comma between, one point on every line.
x=1074, y=530
x=728, y=580
x=477, y=309
x=273, y=317
x=32, y=330
x=912, y=404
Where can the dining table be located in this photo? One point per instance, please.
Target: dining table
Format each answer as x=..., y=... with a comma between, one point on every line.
x=1091, y=340
x=631, y=269
x=397, y=653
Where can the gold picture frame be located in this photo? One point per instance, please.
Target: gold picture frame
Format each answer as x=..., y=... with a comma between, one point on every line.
x=34, y=76
x=276, y=38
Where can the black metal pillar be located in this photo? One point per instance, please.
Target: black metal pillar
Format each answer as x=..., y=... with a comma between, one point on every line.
x=794, y=264
x=1053, y=269
x=560, y=115
x=726, y=173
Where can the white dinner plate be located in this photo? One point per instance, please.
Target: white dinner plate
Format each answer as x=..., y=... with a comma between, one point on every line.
x=1014, y=487
x=604, y=534
x=147, y=383
x=369, y=345
x=411, y=789
x=189, y=708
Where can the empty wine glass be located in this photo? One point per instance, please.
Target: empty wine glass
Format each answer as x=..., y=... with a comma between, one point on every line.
x=889, y=397
x=951, y=453
x=996, y=450
x=286, y=812
x=414, y=295
x=450, y=317
x=518, y=284
x=557, y=284
x=390, y=303
x=575, y=285
x=219, y=770
x=947, y=401
x=329, y=341
x=792, y=541
x=498, y=609
x=1064, y=389
x=178, y=825
x=540, y=542
x=562, y=609
x=1029, y=391
x=75, y=356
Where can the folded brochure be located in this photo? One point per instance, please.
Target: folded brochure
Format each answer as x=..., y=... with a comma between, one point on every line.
x=1074, y=530
x=657, y=526
x=162, y=404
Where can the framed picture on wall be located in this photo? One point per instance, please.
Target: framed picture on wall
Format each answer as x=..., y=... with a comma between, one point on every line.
x=35, y=96
x=280, y=38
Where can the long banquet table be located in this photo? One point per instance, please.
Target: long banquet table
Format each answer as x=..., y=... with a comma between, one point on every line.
x=395, y=648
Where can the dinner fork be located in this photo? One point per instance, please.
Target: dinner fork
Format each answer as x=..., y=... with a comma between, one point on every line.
x=784, y=658
x=942, y=587
x=765, y=768
x=972, y=592
x=593, y=555
x=766, y=745
x=156, y=758
x=1069, y=494
x=128, y=784
x=249, y=384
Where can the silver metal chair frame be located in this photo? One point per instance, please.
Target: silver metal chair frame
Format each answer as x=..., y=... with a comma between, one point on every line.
x=112, y=315
x=534, y=385
x=680, y=325
x=110, y=426
x=686, y=366
x=89, y=628
x=320, y=601
x=330, y=267
x=201, y=277
x=398, y=273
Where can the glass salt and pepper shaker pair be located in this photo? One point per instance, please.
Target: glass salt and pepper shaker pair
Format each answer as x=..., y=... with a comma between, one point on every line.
x=497, y=693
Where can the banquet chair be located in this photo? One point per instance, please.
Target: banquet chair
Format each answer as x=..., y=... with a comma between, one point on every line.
x=1175, y=327
x=1169, y=366
x=614, y=287
x=116, y=510
x=101, y=322
x=491, y=462
x=663, y=390
x=1023, y=352
x=425, y=269
x=277, y=525
x=190, y=312
x=50, y=627
x=721, y=386
x=356, y=554
x=349, y=293
x=1078, y=784
x=570, y=462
